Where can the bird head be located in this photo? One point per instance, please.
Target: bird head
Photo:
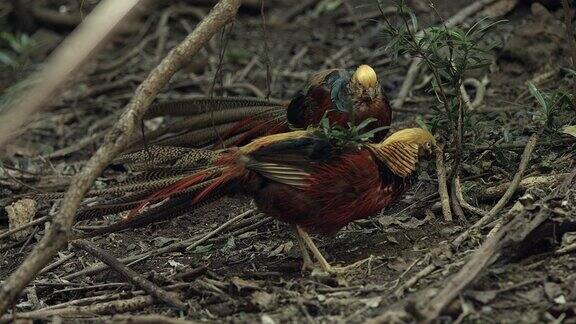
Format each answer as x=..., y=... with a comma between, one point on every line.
x=364, y=84
x=418, y=136
x=401, y=150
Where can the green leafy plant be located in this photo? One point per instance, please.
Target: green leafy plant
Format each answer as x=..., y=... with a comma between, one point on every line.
x=449, y=54
x=343, y=135
x=15, y=49
x=551, y=102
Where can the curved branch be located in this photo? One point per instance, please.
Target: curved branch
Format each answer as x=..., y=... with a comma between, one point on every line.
x=66, y=62
x=57, y=236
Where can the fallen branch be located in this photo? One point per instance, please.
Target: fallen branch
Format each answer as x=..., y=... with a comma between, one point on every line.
x=541, y=182
x=107, y=308
x=23, y=227
x=109, y=297
x=470, y=271
x=458, y=192
x=57, y=236
x=68, y=59
x=517, y=145
x=442, y=185
x=517, y=225
x=507, y=195
x=131, y=275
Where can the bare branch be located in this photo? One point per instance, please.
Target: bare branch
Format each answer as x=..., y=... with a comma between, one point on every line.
x=66, y=61
x=442, y=184
x=507, y=195
x=131, y=275
x=57, y=236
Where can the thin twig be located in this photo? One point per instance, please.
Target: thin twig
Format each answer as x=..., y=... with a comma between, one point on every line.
x=507, y=195
x=58, y=263
x=266, y=51
x=442, y=184
x=149, y=319
x=462, y=201
x=569, y=29
x=131, y=275
x=141, y=257
x=459, y=17
x=56, y=236
x=78, y=145
x=414, y=279
x=29, y=239
x=196, y=272
x=23, y=227
x=218, y=230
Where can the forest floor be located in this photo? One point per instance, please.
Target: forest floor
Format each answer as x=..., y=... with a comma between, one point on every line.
x=253, y=274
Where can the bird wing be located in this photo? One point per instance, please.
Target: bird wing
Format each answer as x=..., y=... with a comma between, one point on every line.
x=309, y=105
x=285, y=174
x=290, y=161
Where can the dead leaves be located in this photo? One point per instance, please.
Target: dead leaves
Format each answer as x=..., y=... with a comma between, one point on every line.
x=21, y=213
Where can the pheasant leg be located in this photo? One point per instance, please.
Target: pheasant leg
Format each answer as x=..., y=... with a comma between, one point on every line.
x=326, y=267
x=307, y=263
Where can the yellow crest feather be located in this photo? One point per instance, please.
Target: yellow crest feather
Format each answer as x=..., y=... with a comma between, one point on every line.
x=365, y=76
x=400, y=150
x=417, y=136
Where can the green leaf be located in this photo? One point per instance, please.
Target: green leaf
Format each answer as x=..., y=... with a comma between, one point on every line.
x=420, y=121
x=570, y=130
x=414, y=20
x=368, y=135
x=365, y=123
x=7, y=59
x=202, y=248
x=570, y=71
x=536, y=94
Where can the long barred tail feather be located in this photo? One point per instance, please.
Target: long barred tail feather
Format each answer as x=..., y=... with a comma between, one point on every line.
x=180, y=186
x=176, y=206
x=203, y=113
x=200, y=105
x=253, y=128
x=130, y=202
x=207, y=120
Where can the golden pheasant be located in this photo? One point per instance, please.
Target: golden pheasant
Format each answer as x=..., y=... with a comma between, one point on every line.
x=301, y=178
x=342, y=96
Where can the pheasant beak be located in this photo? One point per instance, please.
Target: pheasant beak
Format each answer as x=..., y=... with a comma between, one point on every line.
x=371, y=93
x=367, y=82
x=428, y=150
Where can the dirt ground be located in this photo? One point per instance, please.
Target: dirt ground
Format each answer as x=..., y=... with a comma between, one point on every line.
x=251, y=272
